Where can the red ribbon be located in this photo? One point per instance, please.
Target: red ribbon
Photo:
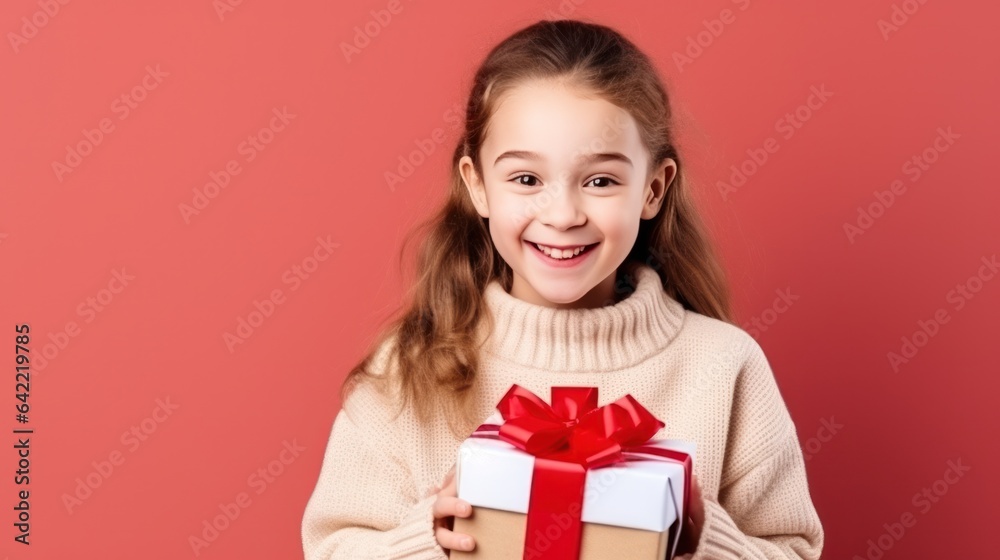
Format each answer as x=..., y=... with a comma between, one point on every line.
x=568, y=438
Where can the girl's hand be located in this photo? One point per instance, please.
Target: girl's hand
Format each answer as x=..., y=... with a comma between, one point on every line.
x=696, y=521
x=445, y=508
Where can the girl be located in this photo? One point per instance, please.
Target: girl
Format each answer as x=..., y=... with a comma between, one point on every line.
x=568, y=253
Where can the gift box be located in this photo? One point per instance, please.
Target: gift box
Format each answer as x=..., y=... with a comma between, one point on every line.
x=572, y=481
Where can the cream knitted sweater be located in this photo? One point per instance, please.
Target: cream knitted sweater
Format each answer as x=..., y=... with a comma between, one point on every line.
x=706, y=379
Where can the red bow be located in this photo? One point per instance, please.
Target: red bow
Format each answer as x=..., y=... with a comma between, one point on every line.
x=567, y=438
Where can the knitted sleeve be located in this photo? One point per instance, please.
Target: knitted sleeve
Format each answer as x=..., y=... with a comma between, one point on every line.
x=763, y=509
x=365, y=504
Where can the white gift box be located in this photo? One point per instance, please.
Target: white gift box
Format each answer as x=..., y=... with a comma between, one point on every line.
x=640, y=494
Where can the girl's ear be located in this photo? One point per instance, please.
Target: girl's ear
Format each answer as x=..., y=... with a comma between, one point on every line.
x=656, y=188
x=475, y=186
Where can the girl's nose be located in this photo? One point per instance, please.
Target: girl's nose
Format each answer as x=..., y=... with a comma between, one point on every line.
x=559, y=207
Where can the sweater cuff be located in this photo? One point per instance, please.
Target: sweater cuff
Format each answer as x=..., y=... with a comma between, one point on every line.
x=414, y=537
x=720, y=539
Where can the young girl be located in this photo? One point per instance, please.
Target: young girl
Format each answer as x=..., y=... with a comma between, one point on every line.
x=568, y=253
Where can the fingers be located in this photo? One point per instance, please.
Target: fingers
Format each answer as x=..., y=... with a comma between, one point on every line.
x=450, y=506
x=447, y=506
x=454, y=541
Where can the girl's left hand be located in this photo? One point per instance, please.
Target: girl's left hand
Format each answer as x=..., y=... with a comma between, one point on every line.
x=691, y=534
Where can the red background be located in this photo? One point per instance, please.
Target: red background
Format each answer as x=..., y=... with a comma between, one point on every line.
x=62, y=237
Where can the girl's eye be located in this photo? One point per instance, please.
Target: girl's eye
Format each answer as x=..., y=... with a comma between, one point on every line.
x=608, y=179
x=531, y=181
x=519, y=181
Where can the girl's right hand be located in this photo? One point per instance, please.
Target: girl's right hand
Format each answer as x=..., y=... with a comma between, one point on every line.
x=446, y=507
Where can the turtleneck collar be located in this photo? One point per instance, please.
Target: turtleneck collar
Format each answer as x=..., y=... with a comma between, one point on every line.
x=585, y=340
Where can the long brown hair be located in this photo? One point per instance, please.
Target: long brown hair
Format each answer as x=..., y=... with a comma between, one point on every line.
x=433, y=345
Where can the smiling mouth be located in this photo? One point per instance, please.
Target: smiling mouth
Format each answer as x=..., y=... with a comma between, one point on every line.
x=562, y=254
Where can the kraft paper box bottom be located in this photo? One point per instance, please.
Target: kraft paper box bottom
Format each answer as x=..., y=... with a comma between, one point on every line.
x=500, y=535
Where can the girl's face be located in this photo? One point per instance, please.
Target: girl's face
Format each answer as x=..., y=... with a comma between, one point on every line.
x=564, y=171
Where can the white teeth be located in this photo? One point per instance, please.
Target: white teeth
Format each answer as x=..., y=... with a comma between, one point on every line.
x=560, y=253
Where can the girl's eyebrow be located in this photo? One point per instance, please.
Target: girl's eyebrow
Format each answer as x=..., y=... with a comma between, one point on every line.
x=588, y=158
